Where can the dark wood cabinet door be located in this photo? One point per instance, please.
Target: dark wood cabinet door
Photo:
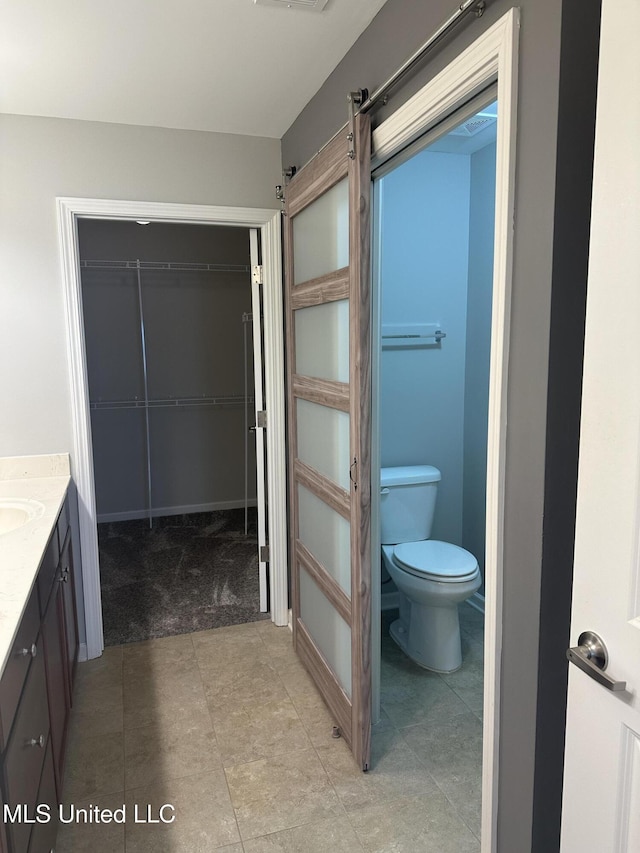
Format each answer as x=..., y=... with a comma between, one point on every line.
x=24, y=757
x=67, y=580
x=43, y=835
x=3, y=835
x=55, y=652
x=24, y=649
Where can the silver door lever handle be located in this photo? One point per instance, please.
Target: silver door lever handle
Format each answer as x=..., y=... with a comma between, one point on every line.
x=590, y=655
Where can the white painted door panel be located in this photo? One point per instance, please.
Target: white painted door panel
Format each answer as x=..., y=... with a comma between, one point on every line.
x=601, y=806
x=256, y=310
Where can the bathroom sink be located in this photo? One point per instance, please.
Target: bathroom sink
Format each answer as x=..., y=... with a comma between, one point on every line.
x=16, y=512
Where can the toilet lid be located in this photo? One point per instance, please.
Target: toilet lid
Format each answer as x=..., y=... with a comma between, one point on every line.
x=437, y=560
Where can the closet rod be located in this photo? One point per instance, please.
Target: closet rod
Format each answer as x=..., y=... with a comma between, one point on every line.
x=168, y=266
x=171, y=402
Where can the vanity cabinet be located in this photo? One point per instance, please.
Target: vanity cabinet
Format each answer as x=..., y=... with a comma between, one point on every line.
x=67, y=581
x=54, y=646
x=3, y=834
x=60, y=640
x=43, y=835
x=25, y=753
x=35, y=698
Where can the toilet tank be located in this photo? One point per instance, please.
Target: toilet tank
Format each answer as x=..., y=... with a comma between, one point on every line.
x=407, y=503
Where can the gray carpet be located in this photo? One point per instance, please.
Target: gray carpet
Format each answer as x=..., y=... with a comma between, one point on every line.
x=189, y=573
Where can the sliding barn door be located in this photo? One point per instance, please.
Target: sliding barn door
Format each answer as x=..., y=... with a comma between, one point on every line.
x=328, y=329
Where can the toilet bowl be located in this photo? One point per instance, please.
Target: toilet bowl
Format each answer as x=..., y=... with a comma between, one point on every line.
x=432, y=577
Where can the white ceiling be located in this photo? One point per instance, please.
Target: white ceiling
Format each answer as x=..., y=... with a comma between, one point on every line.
x=218, y=65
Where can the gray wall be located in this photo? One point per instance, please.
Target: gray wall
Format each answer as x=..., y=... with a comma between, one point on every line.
x=399, y=28
x=195, y=347
x=576, y=128
x=43, y=158
x=163, y=241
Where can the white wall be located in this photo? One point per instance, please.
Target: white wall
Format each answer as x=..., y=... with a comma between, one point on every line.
x=424, y=266
x=44, y=158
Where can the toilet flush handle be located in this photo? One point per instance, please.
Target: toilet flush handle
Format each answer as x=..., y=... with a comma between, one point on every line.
x=385, y=491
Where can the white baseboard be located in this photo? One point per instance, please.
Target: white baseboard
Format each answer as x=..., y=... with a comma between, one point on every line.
x=158, y=512
x=477, y=602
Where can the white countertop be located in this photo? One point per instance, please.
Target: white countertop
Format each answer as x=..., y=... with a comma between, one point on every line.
x=40, y=478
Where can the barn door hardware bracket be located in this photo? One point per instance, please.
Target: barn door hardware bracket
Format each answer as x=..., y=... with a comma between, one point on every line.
x=354, y=100
x=287, y=174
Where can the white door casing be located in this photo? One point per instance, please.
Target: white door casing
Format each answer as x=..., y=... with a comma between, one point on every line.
x=491, y=58
x=268, y=221
x=258, y=431
x=601, y=799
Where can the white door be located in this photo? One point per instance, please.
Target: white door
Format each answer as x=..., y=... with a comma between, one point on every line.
x=259, y=427
x=601, y=807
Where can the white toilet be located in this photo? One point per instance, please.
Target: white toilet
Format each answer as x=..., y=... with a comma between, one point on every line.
x=432, y=577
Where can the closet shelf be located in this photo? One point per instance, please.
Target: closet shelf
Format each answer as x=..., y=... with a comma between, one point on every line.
x=164, y=265
x=172, y=402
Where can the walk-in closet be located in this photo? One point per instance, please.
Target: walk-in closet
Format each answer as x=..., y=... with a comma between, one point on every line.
x=168, y=325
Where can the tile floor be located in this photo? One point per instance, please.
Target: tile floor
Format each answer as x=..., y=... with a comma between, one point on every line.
x=226, y=726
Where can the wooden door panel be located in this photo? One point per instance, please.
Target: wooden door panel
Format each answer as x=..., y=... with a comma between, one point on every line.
x=329, y=365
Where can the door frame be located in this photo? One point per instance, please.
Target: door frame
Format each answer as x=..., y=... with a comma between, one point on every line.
x=268, y=221
x=491, y=59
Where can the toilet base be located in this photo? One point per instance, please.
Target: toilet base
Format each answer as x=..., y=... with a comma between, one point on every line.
x=432, y=641
x=428, y=630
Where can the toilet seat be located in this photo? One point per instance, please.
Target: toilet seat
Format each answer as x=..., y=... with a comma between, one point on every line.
x=435, y=560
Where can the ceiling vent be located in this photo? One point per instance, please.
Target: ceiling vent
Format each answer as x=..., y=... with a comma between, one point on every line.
x=309, y=5
x=474, y=125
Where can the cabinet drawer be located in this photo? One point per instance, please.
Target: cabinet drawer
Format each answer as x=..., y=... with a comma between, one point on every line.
x=24, y=650
x=47, y=571
x=24, y=757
